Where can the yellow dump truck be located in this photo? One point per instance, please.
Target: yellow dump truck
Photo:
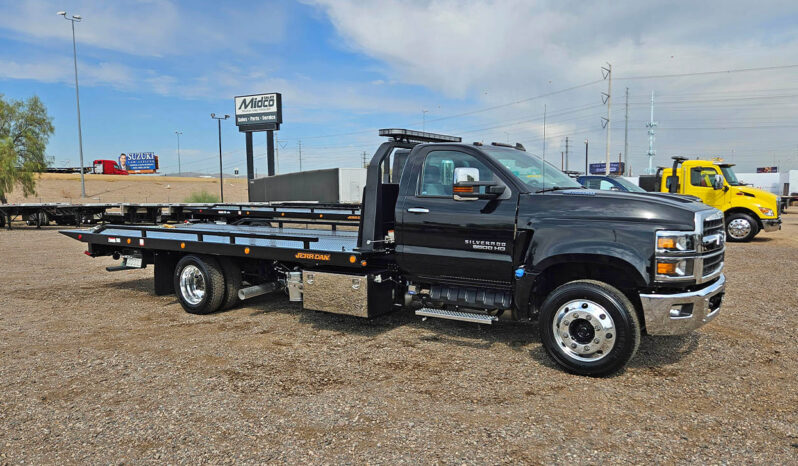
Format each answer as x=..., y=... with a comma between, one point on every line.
x=747, y=210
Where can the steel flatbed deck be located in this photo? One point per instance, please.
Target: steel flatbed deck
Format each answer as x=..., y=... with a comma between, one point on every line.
x=307, y=246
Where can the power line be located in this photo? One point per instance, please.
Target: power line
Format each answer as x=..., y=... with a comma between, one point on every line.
x=706, y=73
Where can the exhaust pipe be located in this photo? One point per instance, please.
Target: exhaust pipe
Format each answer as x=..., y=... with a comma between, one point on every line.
x=257, y=290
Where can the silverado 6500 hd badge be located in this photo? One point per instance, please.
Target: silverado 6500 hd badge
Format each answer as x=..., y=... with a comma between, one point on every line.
x=483, y=245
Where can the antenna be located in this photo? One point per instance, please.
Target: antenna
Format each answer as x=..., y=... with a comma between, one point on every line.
x=651, y=125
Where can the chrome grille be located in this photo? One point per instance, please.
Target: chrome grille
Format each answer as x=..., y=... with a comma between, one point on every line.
x=713, y=235
x=712, y=263
x=713, y=239
x=712, y=226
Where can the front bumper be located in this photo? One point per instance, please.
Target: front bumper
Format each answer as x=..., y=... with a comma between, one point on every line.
x=678, y=313
x=772, y=224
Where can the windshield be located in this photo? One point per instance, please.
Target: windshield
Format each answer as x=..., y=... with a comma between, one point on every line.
x=728, y=173
x=532, y=171
x=629, y=185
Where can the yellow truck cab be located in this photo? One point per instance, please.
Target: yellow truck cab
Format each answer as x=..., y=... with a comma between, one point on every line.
x=747, y=210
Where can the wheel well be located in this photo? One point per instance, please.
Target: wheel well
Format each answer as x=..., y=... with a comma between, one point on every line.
x=621, y=275
x=743, y=210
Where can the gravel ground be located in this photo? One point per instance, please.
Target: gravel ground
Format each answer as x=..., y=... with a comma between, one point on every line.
x=95, y=368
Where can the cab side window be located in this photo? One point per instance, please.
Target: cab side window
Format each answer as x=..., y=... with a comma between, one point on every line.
x=593, y=183
x=437, y=174
x=703, y=177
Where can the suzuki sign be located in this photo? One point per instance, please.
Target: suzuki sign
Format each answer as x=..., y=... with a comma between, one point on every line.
x=259, y=112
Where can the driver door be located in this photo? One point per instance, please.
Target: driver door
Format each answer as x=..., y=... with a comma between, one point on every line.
x=444, y=239
x=702, y=180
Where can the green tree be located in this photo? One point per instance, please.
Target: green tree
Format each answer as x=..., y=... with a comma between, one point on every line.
x=25, y=129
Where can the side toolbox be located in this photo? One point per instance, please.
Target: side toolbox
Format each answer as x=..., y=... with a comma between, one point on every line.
x=354, y=295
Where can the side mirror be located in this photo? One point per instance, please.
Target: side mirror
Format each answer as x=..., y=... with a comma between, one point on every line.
x=717, y=184
x=463, y=174
x=615, y=188
x=466, y=186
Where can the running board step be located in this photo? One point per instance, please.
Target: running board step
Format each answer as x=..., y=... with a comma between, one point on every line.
x=455, y=315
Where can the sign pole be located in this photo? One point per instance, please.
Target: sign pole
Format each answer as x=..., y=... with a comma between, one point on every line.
x=250, y=165
x=270, y=151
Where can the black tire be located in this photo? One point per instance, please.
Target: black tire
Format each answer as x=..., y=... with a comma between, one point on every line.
x=621, y=330
x=212, y=282
x=741, y=227
x=232, y=280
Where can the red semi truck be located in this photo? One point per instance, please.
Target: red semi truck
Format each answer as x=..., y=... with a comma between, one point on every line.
x=99, y=167
x=108, y=167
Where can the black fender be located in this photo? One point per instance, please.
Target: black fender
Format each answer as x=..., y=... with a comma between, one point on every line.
x=630, y=250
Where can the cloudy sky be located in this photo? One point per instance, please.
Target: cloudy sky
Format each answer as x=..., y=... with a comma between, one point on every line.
x=724, y=73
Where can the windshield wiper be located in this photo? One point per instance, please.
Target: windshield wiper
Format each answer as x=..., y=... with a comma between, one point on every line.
x=557, y=188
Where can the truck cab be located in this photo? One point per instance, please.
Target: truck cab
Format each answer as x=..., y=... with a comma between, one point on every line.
x=747, y=210
x=108, y=167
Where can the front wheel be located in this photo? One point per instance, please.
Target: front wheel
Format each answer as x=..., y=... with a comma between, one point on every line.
x=741, y=227
x=589, y=328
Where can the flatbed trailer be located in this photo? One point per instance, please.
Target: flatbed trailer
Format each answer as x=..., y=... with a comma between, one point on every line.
x=42, y=214
x=456, y=231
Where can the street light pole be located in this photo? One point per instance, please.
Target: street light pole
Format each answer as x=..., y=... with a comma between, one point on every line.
x=179, y=170
x=73, y=20
x=221, y=178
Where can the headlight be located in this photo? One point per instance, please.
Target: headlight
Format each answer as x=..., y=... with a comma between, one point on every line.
x=766, y=212
x=674, y=241
x=674, y=268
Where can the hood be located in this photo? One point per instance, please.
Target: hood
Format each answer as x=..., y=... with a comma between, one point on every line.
x=761, y=195
x=661, y=212
x=683, y=197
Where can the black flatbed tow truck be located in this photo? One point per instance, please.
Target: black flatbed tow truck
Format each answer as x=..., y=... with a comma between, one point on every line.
x=467, y=232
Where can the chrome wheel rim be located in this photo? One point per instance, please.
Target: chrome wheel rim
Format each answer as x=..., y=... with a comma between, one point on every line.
x=584, y=330
x=739, y=228
x=192, y=284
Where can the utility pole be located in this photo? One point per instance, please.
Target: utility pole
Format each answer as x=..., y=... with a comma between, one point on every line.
x=424, y=120
x=277, y=153
x=608, y=100
x=651, y=125
x=179, y=170
x=566, y=152
x=300, y=155
x=544, y=134
x=221, y=176
x=365, y=162
x=626, y=136
x=562, y=160
x=75, y=19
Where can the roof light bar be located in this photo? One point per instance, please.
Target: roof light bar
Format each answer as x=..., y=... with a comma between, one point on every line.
x=417, y=136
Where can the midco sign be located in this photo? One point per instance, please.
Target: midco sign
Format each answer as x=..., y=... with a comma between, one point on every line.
x=259, y=112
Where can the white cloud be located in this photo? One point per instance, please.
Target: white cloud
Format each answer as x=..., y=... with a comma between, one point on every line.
x=491, y=52
x=146, y=28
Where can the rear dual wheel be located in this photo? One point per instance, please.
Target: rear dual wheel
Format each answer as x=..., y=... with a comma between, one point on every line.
x=199, y=284
x=205, y=284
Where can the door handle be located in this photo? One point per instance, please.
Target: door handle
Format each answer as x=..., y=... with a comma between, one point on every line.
x=418, y=210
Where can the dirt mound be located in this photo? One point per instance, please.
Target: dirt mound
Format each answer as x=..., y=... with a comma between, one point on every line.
x=58, y=187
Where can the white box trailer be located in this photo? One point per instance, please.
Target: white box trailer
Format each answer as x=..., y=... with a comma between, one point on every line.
x=332, y=185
